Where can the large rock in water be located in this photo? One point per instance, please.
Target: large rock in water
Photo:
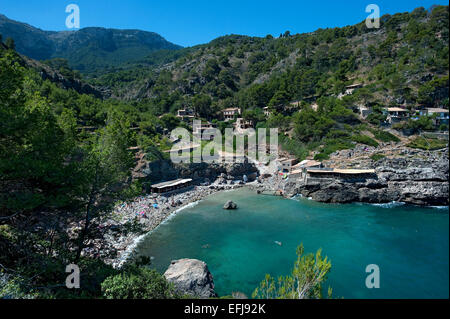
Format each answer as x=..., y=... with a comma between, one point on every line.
x=230, y=205
x=191, y=276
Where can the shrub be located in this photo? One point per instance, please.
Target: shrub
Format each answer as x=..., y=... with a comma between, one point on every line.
x=377, y=157
x=423, y=123
x=293, y=146
x=137, y=283
x=331, y=146
x=364, y=139
x=309, y=273
x=385, y=136
x=321, y=157
x=337, y=134
x=377, y=116
x=427, y=144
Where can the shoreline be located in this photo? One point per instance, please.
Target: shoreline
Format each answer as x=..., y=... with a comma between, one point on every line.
x=387, y=205
x=124, y=246
x=128, y=254
x=130, y=223
x=196, y=195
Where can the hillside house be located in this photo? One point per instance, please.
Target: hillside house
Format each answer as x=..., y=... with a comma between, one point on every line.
x=349, y=89
x=300, y=168
x=230, y=114
x=185, y=114
x=286, y=165
x=267, y=111
x=364, y=111
x=353, y=175
x=243, y=124
x=396, y=114
x=206, y=131
x=441, y=115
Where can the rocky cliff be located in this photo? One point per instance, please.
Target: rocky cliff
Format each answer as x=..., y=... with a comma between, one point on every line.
x=164, y=170
x=64, y=82
x=419, y=179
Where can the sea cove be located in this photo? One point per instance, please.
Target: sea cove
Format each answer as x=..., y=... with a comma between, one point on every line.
x=409, y=244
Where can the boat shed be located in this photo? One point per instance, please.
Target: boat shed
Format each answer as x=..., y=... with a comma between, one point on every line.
x=171, y=185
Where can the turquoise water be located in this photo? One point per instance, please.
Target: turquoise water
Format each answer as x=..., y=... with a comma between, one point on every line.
x=409, y=244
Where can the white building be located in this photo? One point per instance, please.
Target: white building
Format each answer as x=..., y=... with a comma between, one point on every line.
x=230, y=113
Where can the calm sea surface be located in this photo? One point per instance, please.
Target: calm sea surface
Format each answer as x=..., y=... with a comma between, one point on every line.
x=409, y=244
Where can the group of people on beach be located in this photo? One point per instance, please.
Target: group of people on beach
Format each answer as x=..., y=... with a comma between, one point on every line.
x=144, y=206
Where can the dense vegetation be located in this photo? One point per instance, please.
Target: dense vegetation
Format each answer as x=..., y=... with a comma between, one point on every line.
x=66, y=155
x=138, y=283
x=305, y=282
x=403, y=63
x=426, y=143
x=89, y=50
x=50, y=167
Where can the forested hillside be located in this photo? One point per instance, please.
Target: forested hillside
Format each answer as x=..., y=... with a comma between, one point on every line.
x=404, y=63
x=66, y=137
x=88, y=50
x=396, y=63
x=64, y=158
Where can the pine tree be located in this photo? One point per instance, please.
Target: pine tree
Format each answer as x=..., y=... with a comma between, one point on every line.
x=305, y=282
x=106, y=165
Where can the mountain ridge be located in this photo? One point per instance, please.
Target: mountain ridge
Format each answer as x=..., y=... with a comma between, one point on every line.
x=89, y=50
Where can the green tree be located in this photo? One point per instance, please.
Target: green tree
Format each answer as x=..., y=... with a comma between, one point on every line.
x=137, y=283
x=106, y=166
x=202, y=105
x=170, y=121
x=255, y=115
x=311, y=126
x=33, y=146
x=211, y=70
x=277, y=120
x=305, y=281
x=423, y=123
x=279, y=99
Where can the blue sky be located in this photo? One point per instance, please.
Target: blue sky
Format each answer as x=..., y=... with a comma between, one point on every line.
x=194, y=22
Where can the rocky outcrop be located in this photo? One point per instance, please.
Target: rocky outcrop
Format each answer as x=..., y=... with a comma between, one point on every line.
x=230, y=205
x=163, y=170
x=418, y=180
x=65, y=82
x=191, y=277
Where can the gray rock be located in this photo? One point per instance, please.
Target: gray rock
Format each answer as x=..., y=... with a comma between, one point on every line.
x=230, y=205
x=192, y=277
x=420, y=178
